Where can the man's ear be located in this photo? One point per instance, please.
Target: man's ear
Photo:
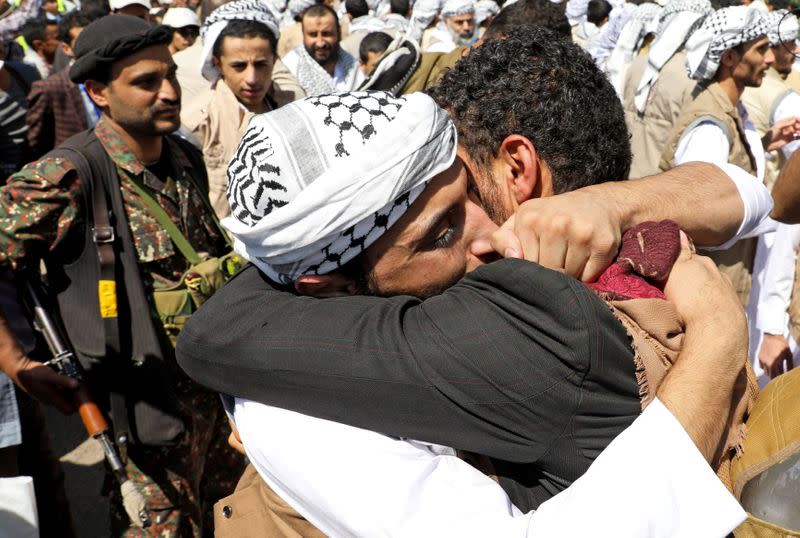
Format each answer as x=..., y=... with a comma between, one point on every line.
x=323, y=286
x=730, y=58
x=98, y=92
x=215, y=62
x=528, y=176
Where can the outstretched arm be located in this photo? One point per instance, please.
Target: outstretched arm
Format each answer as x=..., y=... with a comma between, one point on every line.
x=579, y=232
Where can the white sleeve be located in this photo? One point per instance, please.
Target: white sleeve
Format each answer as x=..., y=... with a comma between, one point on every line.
x=757, y=206
x=650, y=481
x=776, y=284
x=788, y=107
x=352, y=482
x=705, y=142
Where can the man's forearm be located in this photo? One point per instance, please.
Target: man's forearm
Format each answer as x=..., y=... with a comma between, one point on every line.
x=700, y=197
x=786, y=192
x=699, y=387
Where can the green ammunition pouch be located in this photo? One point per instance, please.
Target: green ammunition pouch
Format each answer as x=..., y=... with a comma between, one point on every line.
x=176, y=304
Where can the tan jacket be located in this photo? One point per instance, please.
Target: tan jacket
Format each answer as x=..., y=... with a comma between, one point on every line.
x=254, y=510
x=218, y=121
x=761, y=103
x=714, y=104
x=650, y=131
x=431, y=67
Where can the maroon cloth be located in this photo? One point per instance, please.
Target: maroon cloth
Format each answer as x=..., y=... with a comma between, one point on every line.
x=55, y=112
x=645, y=259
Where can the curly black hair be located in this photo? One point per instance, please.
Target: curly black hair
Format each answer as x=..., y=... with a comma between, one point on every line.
x=528, y=13
x=547, y=89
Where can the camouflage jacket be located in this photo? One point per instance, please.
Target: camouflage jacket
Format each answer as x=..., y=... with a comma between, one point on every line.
x=42, y=202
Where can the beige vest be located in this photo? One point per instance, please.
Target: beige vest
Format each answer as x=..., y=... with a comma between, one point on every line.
x=650, y=131
x=761, y=103
x=713, y=104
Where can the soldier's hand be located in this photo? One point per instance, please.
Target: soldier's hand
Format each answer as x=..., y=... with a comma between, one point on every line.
x=45, y=384
x=572, y=232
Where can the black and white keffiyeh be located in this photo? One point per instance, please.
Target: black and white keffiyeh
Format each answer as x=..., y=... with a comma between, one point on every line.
x=722, y=30
x=679, y=19
x=316, y=182
x=247, y=10
x=783, y=27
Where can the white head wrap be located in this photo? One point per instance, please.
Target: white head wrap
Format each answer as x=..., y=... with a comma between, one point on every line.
x=678, y=20
x=451, y=8
x=247, y=10
x=297, y=7
x=316, y=182
x=782, y=27
x=485, y=9
x=722, y=30
x=576, y=11
x=643, y=22
x=180, y=17
x=422, y=15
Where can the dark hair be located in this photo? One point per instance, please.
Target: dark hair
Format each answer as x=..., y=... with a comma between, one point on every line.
x=356, y=8
x=248, y=29
x=34, y=29
x=73, y=19
x=780, y=4
x=530, y=13
x=373, y=42
x=320, y=10
x=720, y=4
x=400, y=7
x=597, y=10
x=548, y=90
x=95, y=9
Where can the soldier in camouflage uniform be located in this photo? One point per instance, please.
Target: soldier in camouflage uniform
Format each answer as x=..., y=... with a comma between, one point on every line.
x=40, y=206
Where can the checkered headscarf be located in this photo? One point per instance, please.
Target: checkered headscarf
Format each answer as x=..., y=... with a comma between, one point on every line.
x=782, y=26
x=247, y=10
x=316, y=182
x=722, y=30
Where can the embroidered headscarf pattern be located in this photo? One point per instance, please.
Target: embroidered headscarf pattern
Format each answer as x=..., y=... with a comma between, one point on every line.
x=316, y=182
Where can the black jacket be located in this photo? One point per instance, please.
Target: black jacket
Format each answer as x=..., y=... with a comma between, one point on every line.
x=516, y=362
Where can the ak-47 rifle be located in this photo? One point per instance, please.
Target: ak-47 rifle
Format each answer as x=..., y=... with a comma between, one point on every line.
x=64, y=362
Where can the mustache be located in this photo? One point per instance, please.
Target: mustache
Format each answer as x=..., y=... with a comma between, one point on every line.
x=164, y=106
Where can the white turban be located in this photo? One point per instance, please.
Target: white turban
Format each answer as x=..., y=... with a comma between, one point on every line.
x=782, y=26
x=297, y=7
x=485, y=9
x=316, y=182
x=722, y=30
x=451, y=8
x=643, y=22
x=215, y=23
x=678, y=20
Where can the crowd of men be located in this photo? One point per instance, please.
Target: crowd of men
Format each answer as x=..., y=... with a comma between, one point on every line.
x=403, y=268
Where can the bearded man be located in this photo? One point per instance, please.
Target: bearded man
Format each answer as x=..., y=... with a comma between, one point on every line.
x=319, y=63
x=446, y=391
x=729, y=52
x=455, y=29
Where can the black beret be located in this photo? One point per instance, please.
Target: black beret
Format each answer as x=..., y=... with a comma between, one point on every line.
x=112, y=38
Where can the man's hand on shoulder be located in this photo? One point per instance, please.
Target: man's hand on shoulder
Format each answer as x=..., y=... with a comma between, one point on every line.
x=575, y=232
